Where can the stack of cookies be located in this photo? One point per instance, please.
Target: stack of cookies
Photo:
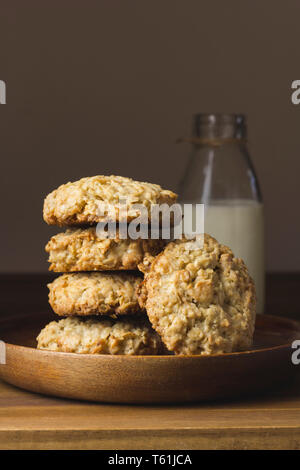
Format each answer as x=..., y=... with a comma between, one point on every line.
x=97, y=290
x=196, y=298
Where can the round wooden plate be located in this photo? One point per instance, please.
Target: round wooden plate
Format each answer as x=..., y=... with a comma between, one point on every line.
x=148, y=379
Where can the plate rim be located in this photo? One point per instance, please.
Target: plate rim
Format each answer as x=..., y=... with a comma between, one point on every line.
x=119, y=357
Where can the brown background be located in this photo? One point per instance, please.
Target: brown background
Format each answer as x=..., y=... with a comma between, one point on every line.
x=107, y=86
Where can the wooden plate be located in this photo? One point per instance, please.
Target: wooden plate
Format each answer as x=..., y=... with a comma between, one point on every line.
x=148, y=379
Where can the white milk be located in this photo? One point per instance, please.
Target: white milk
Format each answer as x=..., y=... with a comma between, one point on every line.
x=240, y=225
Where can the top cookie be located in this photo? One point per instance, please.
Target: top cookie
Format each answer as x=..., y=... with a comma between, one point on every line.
x=88, y=200
x=200, y=298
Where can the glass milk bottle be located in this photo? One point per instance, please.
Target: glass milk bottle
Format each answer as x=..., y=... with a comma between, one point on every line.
x=220, y=175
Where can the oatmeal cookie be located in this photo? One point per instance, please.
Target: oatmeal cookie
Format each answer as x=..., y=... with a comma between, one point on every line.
x=88, y=200
x=82, y=250
x=200, y=298
x=128, y=336
x=94, y=294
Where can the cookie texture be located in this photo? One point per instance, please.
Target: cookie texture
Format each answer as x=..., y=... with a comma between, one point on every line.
x=82, y=250
x=94, y=294
x=105, y=336
x=199, y=298
x=91, y=199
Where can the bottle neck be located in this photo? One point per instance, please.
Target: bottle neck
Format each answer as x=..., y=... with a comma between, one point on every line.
x=213, y=141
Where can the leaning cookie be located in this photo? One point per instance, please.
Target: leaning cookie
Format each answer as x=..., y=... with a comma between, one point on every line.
x=94, y=294
x=200, y=298
x=102, y=198
x=82, y=250
x=105, y=336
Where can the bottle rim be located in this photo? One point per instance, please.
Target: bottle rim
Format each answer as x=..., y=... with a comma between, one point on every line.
x=220, y=126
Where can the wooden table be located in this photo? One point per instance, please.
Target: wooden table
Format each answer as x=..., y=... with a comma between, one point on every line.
x=29, y=421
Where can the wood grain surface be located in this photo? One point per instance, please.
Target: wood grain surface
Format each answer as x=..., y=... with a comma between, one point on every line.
x=31, y=421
